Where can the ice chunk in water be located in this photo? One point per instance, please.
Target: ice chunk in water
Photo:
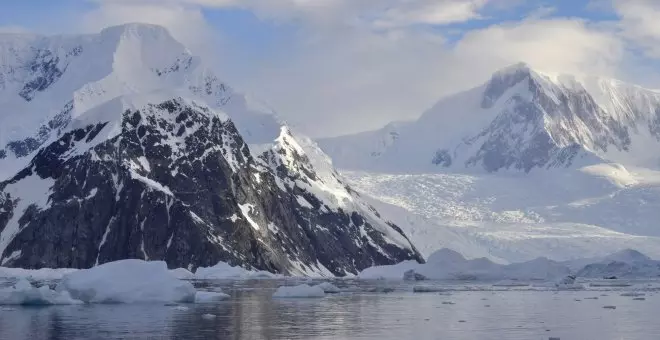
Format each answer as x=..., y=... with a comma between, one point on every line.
x=210, y=297
x=23, y=293
x=127, y=281
x=329, y=287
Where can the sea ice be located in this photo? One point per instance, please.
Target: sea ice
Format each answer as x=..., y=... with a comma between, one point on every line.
x=329, y=288
x=210, y=297
x=182, y=274
x=127, y=281
x=35, y=274
x=222, y=271
x=23, y=293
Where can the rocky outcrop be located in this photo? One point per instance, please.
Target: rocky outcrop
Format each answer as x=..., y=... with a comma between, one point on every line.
x=175, y=181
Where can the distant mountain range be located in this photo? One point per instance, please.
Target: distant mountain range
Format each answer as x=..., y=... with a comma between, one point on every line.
x=520, y=120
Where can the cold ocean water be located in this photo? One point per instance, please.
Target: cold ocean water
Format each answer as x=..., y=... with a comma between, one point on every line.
x=364, y=310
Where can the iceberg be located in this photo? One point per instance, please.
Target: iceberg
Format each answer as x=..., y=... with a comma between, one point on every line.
x=329, y=288
x=23, y=293
x=210, y=297
x=224, y=271
x=127, y=281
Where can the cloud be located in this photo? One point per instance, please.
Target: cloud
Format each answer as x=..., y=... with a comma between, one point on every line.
x=563, y=45
x=431, y=13
x=357, y=65
x=640, y=24
x=361, y=80
x=186, y=23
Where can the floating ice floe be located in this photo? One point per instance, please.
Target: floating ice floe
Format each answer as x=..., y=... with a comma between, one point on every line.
x=428, y=289
x=300, y=291
x=182, y=274
x=35, y=274
x=329, y=288
x=208, y=316
x=223, y=271
x=23, y=293
x=210, y=297
x=127, y=281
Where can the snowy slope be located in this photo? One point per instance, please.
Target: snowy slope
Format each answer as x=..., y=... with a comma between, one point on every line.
x=528, y=164
x=45, y=82
x=561, y=214
x=153, y=157
x=521, y=119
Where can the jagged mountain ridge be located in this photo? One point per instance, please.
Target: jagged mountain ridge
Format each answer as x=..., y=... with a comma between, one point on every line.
x=521, y=119
x=45, y=82
x=146, y=162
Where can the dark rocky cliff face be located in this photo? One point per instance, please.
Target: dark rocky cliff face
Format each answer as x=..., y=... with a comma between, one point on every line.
x=178, y=183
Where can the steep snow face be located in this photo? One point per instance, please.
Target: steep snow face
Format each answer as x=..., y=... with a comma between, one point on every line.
x=45, y=82
x=520, y=119
x=148, y=160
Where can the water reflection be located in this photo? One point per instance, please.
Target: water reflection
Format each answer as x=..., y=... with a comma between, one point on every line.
x=253, y=314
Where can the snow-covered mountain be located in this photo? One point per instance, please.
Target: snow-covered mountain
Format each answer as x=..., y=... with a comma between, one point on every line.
x=529, y=164
x=124, y=145
x=521, y=119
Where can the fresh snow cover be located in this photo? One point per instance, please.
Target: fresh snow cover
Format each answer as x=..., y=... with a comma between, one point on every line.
x=447, y=264
x=127, y=281
x=563, y=214
x=224, y=271
x=23, y=293
x=300, y=291
x=210, y=297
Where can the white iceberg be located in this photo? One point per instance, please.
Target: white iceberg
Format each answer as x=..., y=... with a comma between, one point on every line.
x=300, y=291
x=23, y=293
x=35, y=274
x=210, y=297
x=182, y=274
x=329, y=288
x=127, y=281
x=223, y=271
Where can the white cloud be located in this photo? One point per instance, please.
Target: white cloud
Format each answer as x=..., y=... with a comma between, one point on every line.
x=430, y=12
x=563, y=45
x=339, y=73
x=640, y=22
x=359, y=80
x=187, y=24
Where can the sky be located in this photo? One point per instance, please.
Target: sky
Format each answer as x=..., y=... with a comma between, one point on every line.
x=333, y=67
